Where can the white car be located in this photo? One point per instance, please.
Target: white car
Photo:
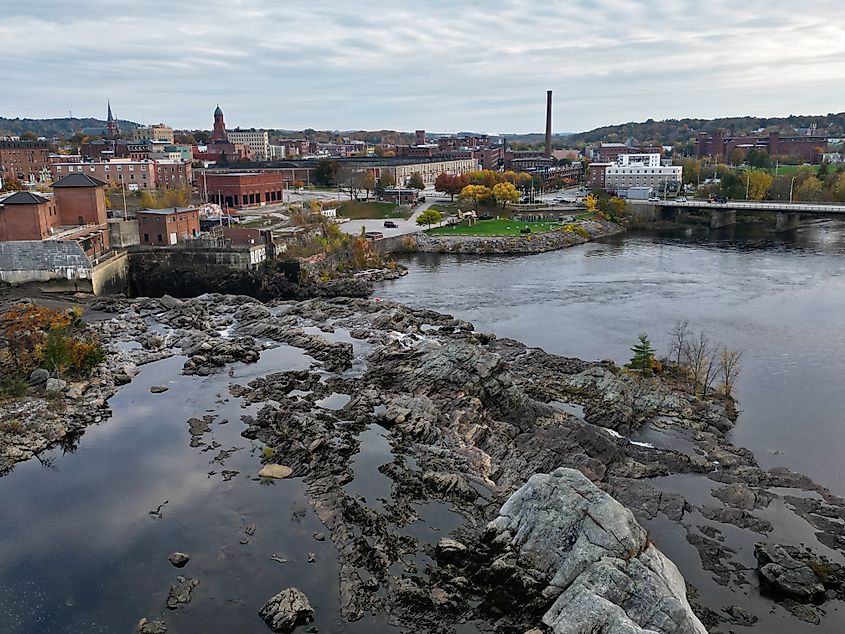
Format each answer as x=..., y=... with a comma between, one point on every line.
x=681, y=199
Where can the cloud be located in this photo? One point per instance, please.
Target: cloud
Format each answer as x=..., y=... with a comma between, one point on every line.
x=430, y=64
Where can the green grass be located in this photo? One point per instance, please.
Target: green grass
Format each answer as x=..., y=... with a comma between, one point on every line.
x=445, y=208
x=791, y=170
x=502, y=227
x=359, y=210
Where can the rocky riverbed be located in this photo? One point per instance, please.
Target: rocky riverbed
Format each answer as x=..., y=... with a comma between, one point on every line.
x=519, y=244
x=516, y=462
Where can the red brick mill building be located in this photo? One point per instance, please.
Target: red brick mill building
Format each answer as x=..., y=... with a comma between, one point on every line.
x=243, y=189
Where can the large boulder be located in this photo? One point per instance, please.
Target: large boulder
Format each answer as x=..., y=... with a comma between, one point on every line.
x=284, y=611
x=786, y=570
x=597, y=562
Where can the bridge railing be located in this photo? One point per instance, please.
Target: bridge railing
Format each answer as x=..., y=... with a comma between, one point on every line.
x=761, y=206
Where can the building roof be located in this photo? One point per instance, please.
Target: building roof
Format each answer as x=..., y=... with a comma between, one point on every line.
x=167, y=211
x=78, y=180
x=217, y=111
x=23, y=198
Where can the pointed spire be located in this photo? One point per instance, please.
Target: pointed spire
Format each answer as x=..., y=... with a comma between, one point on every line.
x=110, y=117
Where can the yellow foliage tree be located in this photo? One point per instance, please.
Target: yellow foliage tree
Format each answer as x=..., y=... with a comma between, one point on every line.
x=505, y=193
x=591, y=202
x=476, y=194
x=759, y=184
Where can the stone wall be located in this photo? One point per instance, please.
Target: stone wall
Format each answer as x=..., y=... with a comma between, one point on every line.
x=518, y=244
x=111, y=277
x=123, y=233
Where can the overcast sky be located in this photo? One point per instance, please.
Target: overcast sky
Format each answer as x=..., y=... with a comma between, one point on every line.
x=442, y=65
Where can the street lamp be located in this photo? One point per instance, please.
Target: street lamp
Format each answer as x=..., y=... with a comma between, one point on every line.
x=791, y=183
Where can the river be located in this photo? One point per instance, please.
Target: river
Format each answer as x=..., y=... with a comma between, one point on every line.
x=780, y=299
x=85, y=531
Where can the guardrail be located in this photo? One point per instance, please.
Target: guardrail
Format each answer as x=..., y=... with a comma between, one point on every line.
x=758, y=206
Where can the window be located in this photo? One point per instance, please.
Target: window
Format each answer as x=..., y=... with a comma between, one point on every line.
x=160, y=238
x=146, y=237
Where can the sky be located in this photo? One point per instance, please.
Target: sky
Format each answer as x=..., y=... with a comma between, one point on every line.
x=441, y=65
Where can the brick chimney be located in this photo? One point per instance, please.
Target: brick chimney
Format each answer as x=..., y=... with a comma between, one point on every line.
x=548, y=150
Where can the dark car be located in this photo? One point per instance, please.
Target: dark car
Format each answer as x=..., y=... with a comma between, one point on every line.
x=389, y=224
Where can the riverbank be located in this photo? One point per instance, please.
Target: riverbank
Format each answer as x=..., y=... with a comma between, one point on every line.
x=540, y=242
x=407, y=418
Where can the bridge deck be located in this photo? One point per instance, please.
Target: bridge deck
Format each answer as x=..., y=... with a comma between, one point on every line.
x=749, y=205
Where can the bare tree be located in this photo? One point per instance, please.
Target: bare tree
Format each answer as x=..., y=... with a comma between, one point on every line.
x=701, y=359
x=351, y=179
x=729, y=366
x=678, y=334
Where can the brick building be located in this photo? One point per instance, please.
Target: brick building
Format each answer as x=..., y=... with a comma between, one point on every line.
x=81, y=200
x=165, y=227
x=27, y=216
x=596, y=173
x=25, y=161
x=135, y=175
x=156, y=132
x=807, y=148
x=243, y=189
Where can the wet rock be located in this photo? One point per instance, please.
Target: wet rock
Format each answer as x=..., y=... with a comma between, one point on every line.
x=158, y=389
x=737, y=517
x=181, y=591
x=54, y=385
x=802, y=611
x=738, y=495
x=286, y=610
x=169, y=302
x=599, y=566
x=39, y=376
x=320, y=537
x=151, y=627
x=450, y=550
x=779, y=568
x=179, y=559
x=740, y=616
x=277, y=471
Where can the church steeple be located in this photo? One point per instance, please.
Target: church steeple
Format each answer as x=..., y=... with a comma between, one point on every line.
x=111, y=124
x=218, y=133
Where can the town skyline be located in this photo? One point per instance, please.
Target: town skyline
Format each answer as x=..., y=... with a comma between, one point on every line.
x=445, y=68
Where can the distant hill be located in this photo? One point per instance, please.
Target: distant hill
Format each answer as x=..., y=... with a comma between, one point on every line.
x=683, y=131
x=65, y=126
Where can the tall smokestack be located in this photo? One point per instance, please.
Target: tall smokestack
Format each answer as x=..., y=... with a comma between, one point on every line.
x=548, y=152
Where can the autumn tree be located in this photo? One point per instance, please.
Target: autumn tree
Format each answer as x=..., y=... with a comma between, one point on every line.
x=591, y=202
x=758, y=184
x=488, y=178
x=477, y=195
x=429, y=217
x=505, y=193
x=416, y=181
x=451, y=184
x=809, y=190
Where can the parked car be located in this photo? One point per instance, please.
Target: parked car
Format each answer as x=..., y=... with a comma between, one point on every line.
x=373, y=235
x=389, y=224
x=654, y=199
x=681, y=199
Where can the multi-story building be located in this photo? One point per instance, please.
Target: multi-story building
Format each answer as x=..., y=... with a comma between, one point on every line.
x=173, y=174
x=610, y=152
x=295, y=147
x=25, y=161
x=596, y=175
x=808, y=148
x=165, y=227
x=242, y=189
x=134, y=175
x=258, y=142
x=27, y=216
x=642, y=170
x=155, y=132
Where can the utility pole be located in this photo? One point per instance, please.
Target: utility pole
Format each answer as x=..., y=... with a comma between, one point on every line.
x=123, y=189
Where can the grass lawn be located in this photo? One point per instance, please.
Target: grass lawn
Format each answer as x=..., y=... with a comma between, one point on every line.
x=359, y=210
x=448, y=209
x=791, y=170
x=502, y=227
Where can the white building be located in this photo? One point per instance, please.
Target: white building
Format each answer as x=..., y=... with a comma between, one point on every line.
x=257, y=140
x=276, y=152
x=640, y=170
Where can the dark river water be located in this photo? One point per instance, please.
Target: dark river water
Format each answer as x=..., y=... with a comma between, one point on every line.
x=80, y=550
x=780, y=299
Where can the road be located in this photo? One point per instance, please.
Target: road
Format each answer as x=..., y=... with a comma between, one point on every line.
x=403, y=226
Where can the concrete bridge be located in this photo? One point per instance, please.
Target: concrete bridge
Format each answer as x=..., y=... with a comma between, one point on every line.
x=724, y=214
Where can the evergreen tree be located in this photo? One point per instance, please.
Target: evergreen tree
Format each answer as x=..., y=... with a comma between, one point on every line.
x=643, y=355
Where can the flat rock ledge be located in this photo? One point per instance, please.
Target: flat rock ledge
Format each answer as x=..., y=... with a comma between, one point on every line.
x=602, y=570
